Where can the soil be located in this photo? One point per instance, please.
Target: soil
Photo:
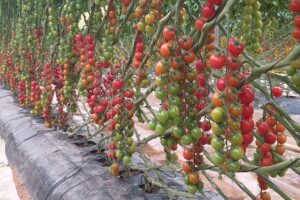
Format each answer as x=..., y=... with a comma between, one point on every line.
x=20, y=186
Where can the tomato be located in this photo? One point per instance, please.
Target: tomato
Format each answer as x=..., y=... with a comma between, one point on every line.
x=117, y=84
x=235, y=47
x=296, y=33
x=178, y=132
x=218, y=158
x=234, y=124
x=150, y=19
x=294, y=6
x=199, y=24
x=263, y=128
x=162, y=116
x=175, y=62
x=248, y=138
x=187, y=167
x=217, y=114
x=233, y=80
x=196, y=133
x=208, y=12
x=236, y=138
x=280, y=127
x=192, y=189
x=276, y=91
x=160, y=129
x=217, y=129
x=265, y=148
x=271, y=121
x=248, y=111
x=246, y=95
x=296, y=79
x=174, y=111
x=188, y=154
x=280, y=149
x=217, y=143
x=165, y=50
x=281, y=138
x=186, y=139
x=236, y=152
x=152, y=125
x=266, y=195
x=262, y=184
x=217, y=100
x=297, y=21
x=194, y=178
x=160, y=68
x=126, y=160
x=270, y=138
x=185, y=42
x=188, y=56
x=221, y=84
x=115, y=169
x=247, y=125
x=233, y=63
x=235, y=110
x=232, y=166
x=217, y=61
x=169, y=32
x=205, y=125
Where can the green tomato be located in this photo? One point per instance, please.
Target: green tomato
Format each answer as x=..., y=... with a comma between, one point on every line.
x=218, y=158
x=296, y=79
x=217, y=129
x=192, y=189
x=236, y=152
x=173, y=88
x=196, y=133
x=200, y=186
x=217, y=143
x=178, y=132
x=162, y=116
x=174, y=100
x=217, y=114
x=152, y=125
x=160, y=93
x=233, y=166
x=174, y=111
x=126, y=160
x=186, y=139
x=291, y=71
x=119, y=155
x=160, y=129
x=177, y=121
x=236, y=138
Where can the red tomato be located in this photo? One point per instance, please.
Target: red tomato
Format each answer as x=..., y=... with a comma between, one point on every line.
x=265, y=148
x=296, y=33
x=246, y=95
x=221, y=84
x=189, y=56
x=185, y=42
x=208, y=12
x=247, y=125
x=235, y=47
x=188, y=154
x=248, y=110
x=169, y=32
x=294, y=6
x=297, y=21
x=217, y=61
x=263, y=128
x=233, y=63
x=276, y=91
x=199, y=23
x=270, y=138
x=165, y=50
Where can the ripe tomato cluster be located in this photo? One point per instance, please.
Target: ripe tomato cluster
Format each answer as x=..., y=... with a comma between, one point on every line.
x=272, y=139
x=294, y=7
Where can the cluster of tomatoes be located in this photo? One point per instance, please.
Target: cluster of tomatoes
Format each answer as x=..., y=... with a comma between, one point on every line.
x=47, y=95
x=252, y=25
x=35, y=98
x=294, y=7
x=233, y=112
x=272, y=138
x=141, y=78
x=148, y=14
